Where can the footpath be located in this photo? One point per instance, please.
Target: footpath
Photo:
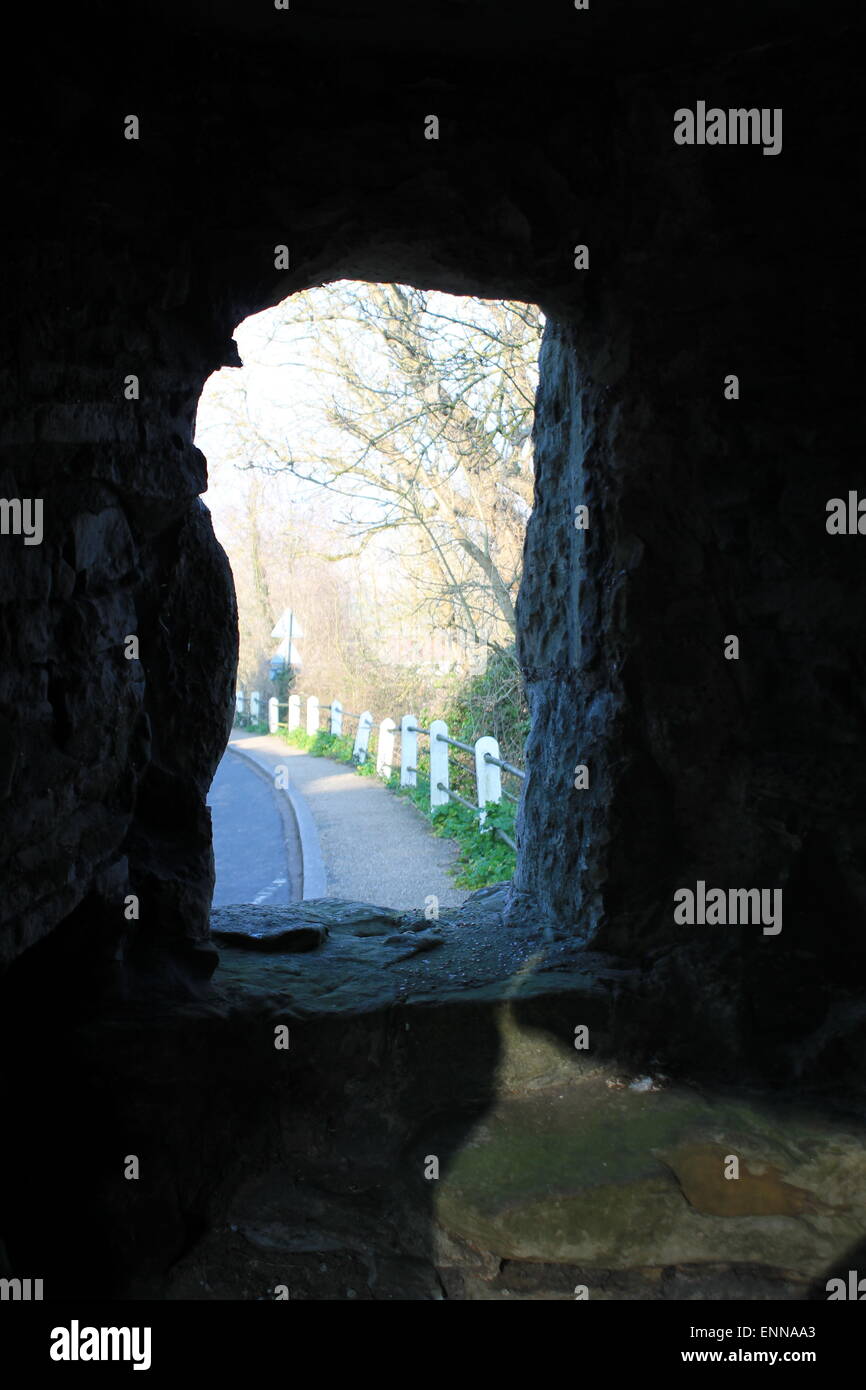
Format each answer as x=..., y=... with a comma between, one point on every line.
x=358, y=840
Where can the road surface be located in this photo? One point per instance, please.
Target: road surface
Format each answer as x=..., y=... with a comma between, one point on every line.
x=252, y=859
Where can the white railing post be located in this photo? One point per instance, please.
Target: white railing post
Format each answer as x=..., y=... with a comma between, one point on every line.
x=255, y=702
x=312, y=715
x=239, y=704
x=362, y=737
x=438, y=763
x=488, y=776
x=385, y=748
x=273, y=714
x=294, y=711
x=336, y=718
x=409, y=751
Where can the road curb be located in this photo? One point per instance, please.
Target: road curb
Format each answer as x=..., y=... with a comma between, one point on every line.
x=314, y=878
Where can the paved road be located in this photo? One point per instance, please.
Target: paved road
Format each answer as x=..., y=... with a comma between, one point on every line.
x=249, y=840
x=377, y=848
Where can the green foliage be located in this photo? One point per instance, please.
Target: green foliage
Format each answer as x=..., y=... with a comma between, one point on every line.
x=321, y=744
x=297, y=738
x=337, y=746
x=492, y=703
x=484, y=858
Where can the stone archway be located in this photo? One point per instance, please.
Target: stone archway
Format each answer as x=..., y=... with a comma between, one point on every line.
x=705, y=514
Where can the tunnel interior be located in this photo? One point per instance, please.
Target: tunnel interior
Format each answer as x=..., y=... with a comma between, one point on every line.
x=664, y=271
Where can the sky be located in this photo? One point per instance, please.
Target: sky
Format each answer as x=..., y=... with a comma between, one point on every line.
x=283, y=391
x=278, y=382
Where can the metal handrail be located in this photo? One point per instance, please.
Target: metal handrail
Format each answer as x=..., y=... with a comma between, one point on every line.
x=455, y=743
x=508, y=767
x=441, y=738
x=455, y=796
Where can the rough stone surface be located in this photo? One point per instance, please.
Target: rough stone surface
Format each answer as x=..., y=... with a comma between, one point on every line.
x=586, y=1174
x=306, y=1165
x=252, y=928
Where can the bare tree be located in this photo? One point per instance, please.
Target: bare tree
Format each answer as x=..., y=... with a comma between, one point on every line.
x=427, y=403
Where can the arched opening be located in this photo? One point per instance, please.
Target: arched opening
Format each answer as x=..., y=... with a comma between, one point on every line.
x=371, y=479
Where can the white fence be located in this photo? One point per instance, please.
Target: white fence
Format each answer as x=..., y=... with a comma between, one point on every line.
x=488, y=765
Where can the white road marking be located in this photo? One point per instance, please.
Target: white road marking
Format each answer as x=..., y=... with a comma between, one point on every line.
x=267, y=892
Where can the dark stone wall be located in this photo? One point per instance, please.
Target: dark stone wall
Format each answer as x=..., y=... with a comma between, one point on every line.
x=707, y=516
